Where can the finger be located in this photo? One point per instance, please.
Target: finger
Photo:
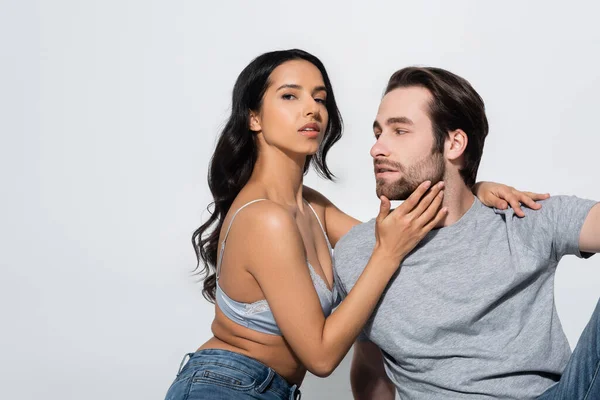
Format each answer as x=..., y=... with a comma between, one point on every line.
x=498, y=203
x=384, y=208
x=529, y=202
x=426, y=201
x=537, y=196
x=412, y=201
x=441, y=214
x=432, y=210
x=516, y=205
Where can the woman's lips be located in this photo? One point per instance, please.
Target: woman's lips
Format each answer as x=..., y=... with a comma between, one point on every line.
x=310, y=130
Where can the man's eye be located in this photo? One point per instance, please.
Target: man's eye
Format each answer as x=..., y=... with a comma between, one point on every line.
x=400, y=131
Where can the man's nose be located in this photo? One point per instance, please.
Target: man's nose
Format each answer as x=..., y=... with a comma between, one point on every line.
x=379, y=149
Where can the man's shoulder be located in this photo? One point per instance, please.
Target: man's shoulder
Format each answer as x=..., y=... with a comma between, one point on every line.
x=361, y=233
x=352, y=253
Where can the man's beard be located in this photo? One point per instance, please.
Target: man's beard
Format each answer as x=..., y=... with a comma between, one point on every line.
x=431, y=168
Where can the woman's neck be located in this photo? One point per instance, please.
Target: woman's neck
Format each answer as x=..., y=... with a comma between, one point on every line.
x=281, y=175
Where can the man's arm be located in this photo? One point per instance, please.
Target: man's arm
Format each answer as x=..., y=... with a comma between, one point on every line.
x=589, y=239
x=367, y=374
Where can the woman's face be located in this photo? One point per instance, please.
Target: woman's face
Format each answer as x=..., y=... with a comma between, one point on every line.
x=293, y=116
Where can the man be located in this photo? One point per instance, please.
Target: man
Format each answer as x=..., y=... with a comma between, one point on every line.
x=470, y=314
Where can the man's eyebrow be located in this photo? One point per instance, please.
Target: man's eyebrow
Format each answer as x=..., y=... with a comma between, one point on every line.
x=399, y=120
x=393, y=120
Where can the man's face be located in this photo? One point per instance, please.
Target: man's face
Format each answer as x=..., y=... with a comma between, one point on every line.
x=405, y=155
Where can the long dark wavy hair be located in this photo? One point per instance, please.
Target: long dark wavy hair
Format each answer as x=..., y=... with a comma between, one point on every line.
x=236, y=152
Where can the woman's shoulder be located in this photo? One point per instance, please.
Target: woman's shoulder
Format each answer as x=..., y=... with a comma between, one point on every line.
x=315, y=198
x=256, y=216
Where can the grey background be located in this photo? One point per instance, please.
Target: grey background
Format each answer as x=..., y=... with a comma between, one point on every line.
x=108, y=116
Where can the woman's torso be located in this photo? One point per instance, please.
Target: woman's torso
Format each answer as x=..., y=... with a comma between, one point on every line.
x=237, y=282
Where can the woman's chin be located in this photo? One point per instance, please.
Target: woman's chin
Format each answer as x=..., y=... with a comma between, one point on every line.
x=309, y=150
x=302, y=150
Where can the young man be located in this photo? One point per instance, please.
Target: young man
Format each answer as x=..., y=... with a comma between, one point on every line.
x=470, y=314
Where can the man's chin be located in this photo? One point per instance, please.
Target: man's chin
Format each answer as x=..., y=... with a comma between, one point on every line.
x=393, y=193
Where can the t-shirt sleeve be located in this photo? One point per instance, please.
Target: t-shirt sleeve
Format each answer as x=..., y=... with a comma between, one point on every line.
x=553, y=231
x=362, y=337
x=339, y=291
x=339, y=294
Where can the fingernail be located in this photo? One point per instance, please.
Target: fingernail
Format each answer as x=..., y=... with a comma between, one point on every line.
x=427, y=183
x=441, y=184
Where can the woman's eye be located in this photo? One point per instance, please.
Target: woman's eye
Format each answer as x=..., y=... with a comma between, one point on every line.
x=288, y=97
x=322, y=101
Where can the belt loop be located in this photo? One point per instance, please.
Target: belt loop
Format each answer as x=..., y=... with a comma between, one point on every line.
x=183, y=362
x=295, y=393
x=263, y=386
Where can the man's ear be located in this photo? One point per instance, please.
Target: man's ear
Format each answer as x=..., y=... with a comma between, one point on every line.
x=254, y=122
x=456, y=144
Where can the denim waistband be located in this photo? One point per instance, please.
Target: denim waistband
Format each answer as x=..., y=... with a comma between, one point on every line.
x=265, y=377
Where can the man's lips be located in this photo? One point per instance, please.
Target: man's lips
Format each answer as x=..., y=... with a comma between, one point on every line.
x=382, y=169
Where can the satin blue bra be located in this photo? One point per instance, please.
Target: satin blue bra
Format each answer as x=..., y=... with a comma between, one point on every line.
x=258, y=316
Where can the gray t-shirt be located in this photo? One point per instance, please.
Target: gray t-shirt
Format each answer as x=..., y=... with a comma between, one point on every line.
x=470, y=314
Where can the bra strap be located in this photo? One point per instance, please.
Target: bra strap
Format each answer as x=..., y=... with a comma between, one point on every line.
x=220, y=261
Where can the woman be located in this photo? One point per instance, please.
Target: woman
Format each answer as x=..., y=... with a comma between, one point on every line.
x=268, y=258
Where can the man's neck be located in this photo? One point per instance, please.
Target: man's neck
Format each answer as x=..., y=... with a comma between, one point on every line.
x=458, y=198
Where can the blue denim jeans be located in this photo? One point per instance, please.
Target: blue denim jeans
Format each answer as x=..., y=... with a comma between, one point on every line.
x=580, y=380
x=223, y=375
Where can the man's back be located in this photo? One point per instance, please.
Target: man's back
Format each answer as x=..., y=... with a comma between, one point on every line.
x=471, y=311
